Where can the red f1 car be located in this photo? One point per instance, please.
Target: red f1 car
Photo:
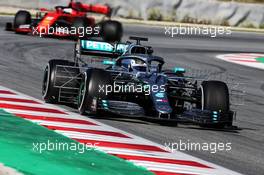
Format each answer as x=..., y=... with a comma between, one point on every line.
x=65, y=21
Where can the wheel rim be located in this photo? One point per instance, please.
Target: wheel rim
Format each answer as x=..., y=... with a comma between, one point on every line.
x=81, y=94
x=77, y=51
x=202, y=97
x=45, y=82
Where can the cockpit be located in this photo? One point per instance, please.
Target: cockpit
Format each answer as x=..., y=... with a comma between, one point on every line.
x=141, y=63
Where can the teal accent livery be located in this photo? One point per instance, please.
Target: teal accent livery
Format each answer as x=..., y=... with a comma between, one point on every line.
x=97, y=46
x=103, y=46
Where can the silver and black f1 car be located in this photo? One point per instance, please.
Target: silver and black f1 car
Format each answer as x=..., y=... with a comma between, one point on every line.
x=127, y=79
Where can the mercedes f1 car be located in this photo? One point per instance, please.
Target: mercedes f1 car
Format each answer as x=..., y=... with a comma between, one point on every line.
x=128, y=80
x=67, y=21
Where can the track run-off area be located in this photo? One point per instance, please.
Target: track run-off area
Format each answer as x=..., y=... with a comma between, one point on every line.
x=23, y=58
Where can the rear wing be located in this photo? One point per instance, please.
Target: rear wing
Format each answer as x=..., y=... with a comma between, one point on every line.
x=96, y=8
x=101, y=48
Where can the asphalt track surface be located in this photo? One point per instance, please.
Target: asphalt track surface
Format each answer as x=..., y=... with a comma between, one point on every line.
x=23, y=58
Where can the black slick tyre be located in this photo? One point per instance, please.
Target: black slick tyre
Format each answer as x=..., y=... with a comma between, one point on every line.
x=22, y=17
x=90, y=93
x=50, y=90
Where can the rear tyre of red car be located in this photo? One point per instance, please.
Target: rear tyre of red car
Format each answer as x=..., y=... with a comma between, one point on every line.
x=111, y=31
x=80, y=24
x=53, y=79
x=22, y=17
x=90, y=93
x=215, y=97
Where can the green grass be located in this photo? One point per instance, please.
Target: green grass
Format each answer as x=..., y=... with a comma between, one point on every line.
x=16, y=150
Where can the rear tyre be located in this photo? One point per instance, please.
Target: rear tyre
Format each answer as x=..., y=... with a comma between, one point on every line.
x=22, y=18
x=80, y=25
x=215, y=97
x=90, y=92
x=111, y=31
x=50, y=93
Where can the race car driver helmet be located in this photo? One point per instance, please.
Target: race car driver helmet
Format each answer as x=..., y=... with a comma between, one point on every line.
x=135, y=65
x=138, y=65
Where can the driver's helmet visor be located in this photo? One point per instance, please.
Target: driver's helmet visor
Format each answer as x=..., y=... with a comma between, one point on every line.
x=134, y=64
x=67, y=10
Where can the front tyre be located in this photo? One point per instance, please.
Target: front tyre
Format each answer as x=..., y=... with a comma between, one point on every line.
x=9, y=26
x=22, y=17
x=215, y=97
x=90, y=92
